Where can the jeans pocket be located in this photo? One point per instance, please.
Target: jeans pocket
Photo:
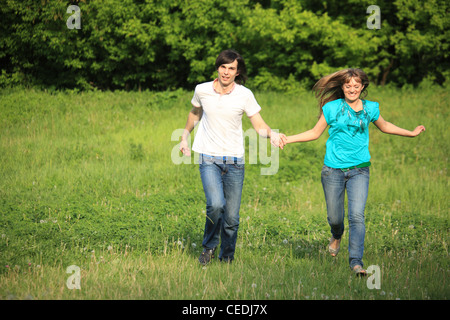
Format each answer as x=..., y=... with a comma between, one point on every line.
x=239, y=166
x=326, y=171
x=364, y=171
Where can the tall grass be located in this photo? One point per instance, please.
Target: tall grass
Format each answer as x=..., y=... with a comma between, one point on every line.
x=87, y=179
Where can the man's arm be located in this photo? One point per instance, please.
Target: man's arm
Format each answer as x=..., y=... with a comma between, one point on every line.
x=194, y=117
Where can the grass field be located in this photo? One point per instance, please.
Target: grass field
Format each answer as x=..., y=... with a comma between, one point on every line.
x=88, y=180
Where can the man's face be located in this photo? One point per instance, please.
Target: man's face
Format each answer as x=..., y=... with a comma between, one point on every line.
x=227, y=73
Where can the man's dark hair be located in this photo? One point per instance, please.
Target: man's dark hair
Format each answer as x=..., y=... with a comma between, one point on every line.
x=228, y=56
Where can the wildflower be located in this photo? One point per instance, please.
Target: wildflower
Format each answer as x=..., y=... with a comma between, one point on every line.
x=253, y=285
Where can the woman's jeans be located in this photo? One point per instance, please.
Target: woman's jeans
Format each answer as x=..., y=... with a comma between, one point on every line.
x=222, y=178
x=356, y=181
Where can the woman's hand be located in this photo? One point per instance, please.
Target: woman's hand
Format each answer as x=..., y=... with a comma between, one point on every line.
x=278, y=139
x=418, y=130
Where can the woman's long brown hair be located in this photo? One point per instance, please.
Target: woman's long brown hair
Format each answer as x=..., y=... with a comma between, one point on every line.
x=329, y=88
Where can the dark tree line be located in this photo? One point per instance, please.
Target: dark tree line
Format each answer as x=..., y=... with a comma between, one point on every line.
x=159, y=45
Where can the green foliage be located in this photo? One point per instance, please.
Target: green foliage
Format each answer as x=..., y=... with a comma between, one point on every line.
x=160, y=45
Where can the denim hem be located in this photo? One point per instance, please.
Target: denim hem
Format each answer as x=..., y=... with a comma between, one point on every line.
x=355, y=262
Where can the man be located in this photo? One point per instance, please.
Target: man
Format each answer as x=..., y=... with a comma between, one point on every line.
x=220, y=104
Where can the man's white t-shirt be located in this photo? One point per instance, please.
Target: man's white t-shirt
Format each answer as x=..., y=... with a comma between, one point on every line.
x=220, y=129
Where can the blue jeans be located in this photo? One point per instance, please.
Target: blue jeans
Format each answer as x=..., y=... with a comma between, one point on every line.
x=356, y=182
x=223, y=179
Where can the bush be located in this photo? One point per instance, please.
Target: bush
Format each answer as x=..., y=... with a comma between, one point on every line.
x=162, y=45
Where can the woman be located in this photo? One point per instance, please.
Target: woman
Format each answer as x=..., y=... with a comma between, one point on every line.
x=347, y=158
x=220, y=105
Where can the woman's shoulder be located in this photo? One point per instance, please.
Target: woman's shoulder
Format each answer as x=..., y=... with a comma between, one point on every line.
x=372, y=108
x=333, y=104
x=371, y=104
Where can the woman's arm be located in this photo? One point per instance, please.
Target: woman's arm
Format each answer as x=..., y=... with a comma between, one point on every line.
x=264, y=130
x=389, y=128
x=311, y=134
x=193, y=118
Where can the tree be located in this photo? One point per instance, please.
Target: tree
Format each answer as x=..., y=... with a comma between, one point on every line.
x=159, y=45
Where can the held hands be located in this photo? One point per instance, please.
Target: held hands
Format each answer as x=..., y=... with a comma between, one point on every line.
x=278, y=139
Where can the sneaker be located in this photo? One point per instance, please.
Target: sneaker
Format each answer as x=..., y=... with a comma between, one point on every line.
x=206, y=256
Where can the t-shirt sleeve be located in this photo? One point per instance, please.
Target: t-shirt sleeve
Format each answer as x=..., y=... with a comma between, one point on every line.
x=196, y=99
x=375, y=112
x=251, y=107
x=327, y=111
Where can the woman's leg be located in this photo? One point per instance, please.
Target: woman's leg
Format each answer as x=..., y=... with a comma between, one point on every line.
x=333, y=182
x=357, y=192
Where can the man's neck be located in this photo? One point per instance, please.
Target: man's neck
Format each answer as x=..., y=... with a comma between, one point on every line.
x=220, y=88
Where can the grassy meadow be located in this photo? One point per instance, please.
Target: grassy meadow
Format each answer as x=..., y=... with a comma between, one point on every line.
x=88, y=179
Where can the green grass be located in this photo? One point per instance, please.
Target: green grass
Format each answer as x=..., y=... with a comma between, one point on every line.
x=87, y=179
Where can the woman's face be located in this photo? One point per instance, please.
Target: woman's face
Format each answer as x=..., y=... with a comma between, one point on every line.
x=352, y=89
